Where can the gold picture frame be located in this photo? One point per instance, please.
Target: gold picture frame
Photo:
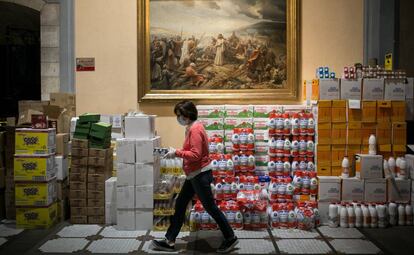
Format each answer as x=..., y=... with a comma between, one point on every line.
x=289, y=93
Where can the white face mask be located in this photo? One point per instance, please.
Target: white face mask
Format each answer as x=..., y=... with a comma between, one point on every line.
x=182, y=121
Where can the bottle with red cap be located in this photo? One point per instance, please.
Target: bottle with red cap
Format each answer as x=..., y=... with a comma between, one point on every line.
x=310, y=147
x=294, y=151
x=305, y=184
x=295, y=124
x=279, y=123
x=286, y=124
x=311, y=125
x=313, y=183
x=303, y=123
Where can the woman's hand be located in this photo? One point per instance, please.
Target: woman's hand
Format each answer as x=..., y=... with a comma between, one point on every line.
x=171, y=153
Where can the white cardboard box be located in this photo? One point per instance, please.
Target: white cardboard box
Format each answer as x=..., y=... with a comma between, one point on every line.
x=260, y=124
x=125, y=197
x=215, y=133
x=373, y=89
x=110, y=190
x=125, y=219
x=143, y=219
x=399, y=191
x=125, y=150
x=352, y=189
x=394, y=90
x=409, y=88
x=351, y=89
x=263, y=111
x=239, y=111
x=144, y=150
x=144, y=196
x=261, y=135
x=329, y=189
x=110, y=213
x=62, y=165
x=126, y=174
x=329, y=89
x=375, y=190
x=368, y=166
x=145, y=174
x=410, y=165
x=140, y=126
x=323, y=208
x=210, y=111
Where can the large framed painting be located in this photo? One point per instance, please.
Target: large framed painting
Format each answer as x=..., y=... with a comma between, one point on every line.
x=212, y=50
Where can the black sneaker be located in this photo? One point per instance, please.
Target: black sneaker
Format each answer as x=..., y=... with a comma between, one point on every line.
x=162, y=245
x=227, y=245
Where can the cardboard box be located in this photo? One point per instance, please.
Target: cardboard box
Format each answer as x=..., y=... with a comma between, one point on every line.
x=34, y=167
x=64, y=100
x=75, y=202
x=125, y=197
x=110, y=214
x=146, y=174
x=261, y=135
x=99, y=186
x=324, y=154
x=383, y=133
x=94, y=161
x=235, y=122
x=373, y=89
x=354, y=133
x=354, y=115
x=260, y=123
x=329, y=189
x=324, y=133
x=97, y=219
x=338, y=152
x=399, y=191
x=375, y=190
x=61, y=116
x=239, y=111
x=62, y=167
x=62, y=141
x=324, y=169
x=95, y=211
x=35, y=141
x=410, y=165
x=324, y=111
x=394, y=89
x=96, y=202
x=409, y=109
x=210, y=111
x=352, y=150
x=338, y=111
x=42, y=217
x=25, y=105
x=143, y=218
x=140, y=126
x=263, y=111
x=399, y=133
x=78, y=211
x=79, y=219
x=144, y=150
x=215, y=133
x=398, y=111
x=351, y=89
x=78, y=168
x=35, y=194
x=25, y=117
x=101, y=153
x=329, y=89
x=367, y=129
x=369, y=111
x=110, y=190
x=78, y=177
x=323, y=208
x=77, y=194
x=144, y=196
x=212, y=123
x=125, y=174
x=339, y=133
x=76, y=185
x=384, y=111
x=96, y=194
x=384, y=150
x=80, y=152
x=125, y=150
x=125, y=219
x=82, y=161
x=368, y=166
x=337, y=171
x=80, y=143
x=398, y=150
x=352, y=189
x=99, y=178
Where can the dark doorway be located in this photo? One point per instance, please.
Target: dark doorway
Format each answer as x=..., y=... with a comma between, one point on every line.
x=19, y=56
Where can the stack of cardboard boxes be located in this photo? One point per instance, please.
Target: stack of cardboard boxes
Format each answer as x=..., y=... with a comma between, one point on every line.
x=137, y=172
x=35, y=178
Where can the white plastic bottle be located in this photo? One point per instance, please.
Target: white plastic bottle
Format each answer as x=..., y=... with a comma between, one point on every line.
x=333, y=216
x=392, y=212
x=366, y=221
x=381, y=215
x=372, y=145
x=402, y=173
x=408, y=215
x=358, y=216
x=345, y=167
x=401, y=215
x=343, y=217
x=391, y=165
x=374, y=216
x=351, y=216
x=386, y=168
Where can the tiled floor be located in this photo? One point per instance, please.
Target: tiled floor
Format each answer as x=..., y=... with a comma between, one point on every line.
x=66, y=238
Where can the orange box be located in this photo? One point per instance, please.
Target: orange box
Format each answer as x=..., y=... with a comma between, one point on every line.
x=383, y=111
x=368, y=129
x=336, y=170
x=338, y=110
x=398, y=111
x=324, y=111
x=369, y=111
x=338, y=133
x=385, y=150
x=354, y=114
x=324, y=154
x=399, y=133
x=398, y=150
x=354, y=133
x=323, y=170
x=364, y=149
x=338, y=152
x=315, y=89
x=324, y=133
x=383, y=133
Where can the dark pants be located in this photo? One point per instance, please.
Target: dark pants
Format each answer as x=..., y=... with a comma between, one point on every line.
x=199, y=185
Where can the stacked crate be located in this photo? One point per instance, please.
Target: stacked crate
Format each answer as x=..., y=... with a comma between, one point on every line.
x=35, y=178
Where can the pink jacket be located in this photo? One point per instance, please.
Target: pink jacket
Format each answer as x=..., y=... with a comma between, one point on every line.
x=195, y=149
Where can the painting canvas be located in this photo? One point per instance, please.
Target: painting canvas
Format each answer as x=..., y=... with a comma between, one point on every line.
x=218, y=44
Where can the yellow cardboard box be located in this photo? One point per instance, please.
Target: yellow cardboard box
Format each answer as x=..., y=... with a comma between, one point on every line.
x=324, y=154
x=324, y=133
x=338, y=133
x=383, y=133
x=324, y=111
x=399, y=133
x=385, y=150
x=338, y=110
x=337, y=170
x=354, y=133
x=35, y=141
x=34, y=167
x=337, y=155
x=354, y=114
x=398, y=111
x=324, y=170
x=369, y=111
x=35, y=194
x=383, y=111
x=36, y=217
